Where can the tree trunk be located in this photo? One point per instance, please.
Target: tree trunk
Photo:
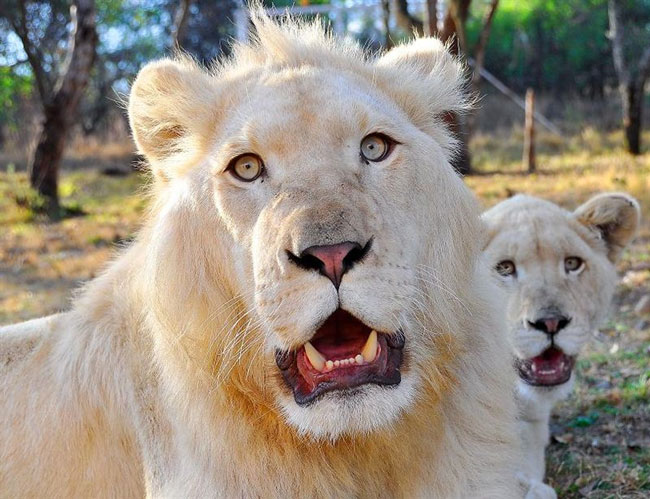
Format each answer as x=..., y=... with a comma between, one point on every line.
x=453, y=33
x=385, y=15
x=60, y=109
x=632, y=97
x=405, y=20
x=630, y=83
x=462, y=161
x=431, y=26
x=479, y=59
x=180, y=22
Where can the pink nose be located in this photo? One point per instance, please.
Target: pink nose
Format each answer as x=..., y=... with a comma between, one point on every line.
x=333, y=260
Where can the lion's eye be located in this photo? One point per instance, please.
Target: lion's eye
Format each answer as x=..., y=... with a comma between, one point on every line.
x=246, y=167
x=573, y=264
x=506, y=268
x=376, y=147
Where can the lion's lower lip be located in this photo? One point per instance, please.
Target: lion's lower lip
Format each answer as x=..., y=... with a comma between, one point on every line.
x=344, y=353
x=552, y=367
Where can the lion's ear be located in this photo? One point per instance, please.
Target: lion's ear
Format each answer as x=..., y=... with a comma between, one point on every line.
x=615, y=216
x=169, y=113
x=424, y=79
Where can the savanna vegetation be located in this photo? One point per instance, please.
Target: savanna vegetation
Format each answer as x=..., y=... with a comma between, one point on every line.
x=587, y=60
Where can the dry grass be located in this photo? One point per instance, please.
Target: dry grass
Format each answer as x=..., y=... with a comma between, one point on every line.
x=41, y=262
x=601, y=446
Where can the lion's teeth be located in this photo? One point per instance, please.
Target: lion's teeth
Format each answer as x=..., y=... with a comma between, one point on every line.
x=369, y=351
x=329, y=365
x=314, y=356
x=359, y=359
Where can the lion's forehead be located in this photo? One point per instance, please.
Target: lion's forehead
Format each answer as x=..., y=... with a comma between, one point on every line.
x=539, y=238
x=303, y=109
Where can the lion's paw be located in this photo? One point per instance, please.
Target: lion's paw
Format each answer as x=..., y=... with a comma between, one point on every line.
x=539, y=490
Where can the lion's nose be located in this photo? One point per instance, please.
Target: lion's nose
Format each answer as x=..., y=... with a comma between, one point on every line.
x=550, y=325
x=332, y=260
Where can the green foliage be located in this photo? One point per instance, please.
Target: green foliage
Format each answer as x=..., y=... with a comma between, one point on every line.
x=549, y=45
x=13, y=89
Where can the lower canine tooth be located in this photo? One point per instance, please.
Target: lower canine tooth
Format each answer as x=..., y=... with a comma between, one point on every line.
x=314, y=356
x=369, y=351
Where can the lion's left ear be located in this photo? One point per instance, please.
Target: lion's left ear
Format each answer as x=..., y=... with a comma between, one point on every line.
x=615, y=215
x=424, y=79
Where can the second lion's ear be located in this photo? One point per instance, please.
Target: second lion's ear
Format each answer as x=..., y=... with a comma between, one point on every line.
x=615, y=216
x=171, y=113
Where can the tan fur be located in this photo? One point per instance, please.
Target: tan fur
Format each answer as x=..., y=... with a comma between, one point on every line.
x=161, y=380
x=537, y=236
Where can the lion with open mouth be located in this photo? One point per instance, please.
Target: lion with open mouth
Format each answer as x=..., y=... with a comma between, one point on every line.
x=558, y=268
x=304, y=312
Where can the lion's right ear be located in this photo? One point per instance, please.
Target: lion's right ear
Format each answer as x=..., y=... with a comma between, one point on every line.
x=424, y=79
x=170, y=113
x=615, y=215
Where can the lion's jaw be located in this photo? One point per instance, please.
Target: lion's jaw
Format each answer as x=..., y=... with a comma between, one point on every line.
x=551, y=311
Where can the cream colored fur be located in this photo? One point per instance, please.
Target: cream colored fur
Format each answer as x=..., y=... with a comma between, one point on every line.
x=161, y=380
x=537, y=236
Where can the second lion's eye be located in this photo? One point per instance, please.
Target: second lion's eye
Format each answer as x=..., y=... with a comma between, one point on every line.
x=246, y=167
x=573, y=264
x=376, y=147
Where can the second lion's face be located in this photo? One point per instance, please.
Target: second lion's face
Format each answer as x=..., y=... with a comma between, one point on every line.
x=557, y=268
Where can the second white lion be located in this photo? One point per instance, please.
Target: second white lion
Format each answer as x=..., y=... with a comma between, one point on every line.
x=558, y=269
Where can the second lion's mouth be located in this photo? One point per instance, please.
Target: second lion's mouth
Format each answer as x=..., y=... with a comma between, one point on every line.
x=343, y=353
x=550, y=368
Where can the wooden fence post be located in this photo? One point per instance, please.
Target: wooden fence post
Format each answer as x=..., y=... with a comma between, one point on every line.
x=529, y=132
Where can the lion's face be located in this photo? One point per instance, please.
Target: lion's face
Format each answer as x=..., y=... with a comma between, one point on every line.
x=558, y=268
x=331, y=239
x=327, y=176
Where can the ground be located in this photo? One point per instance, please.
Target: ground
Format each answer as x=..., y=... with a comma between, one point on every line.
x=601, y=442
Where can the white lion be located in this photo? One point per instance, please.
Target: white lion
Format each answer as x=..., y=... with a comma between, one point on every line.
x=558, y=269
x=302, y=314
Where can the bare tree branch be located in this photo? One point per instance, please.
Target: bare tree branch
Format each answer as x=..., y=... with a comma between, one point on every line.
x=644, y=67
x=385, y=14
x=181, y=17
x=432, y=18
x=404, y=18
x=453, y=26
x=481, y=45
x=616, y=36
x=34, y=56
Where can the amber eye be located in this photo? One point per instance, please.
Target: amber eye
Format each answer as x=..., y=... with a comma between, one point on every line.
x=506, y=268
x=376, y=147
x=573, y=264
x=246, y=167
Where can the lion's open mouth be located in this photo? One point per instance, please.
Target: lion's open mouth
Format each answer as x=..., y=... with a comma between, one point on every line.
x=552, y=367
x=342, y=354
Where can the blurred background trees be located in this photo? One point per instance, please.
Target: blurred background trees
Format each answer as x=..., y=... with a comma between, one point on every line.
x=567, y=51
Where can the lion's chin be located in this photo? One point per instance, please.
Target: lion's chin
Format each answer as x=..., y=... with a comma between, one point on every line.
x=550, y=368
x=343, y=355
x=360, y=412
